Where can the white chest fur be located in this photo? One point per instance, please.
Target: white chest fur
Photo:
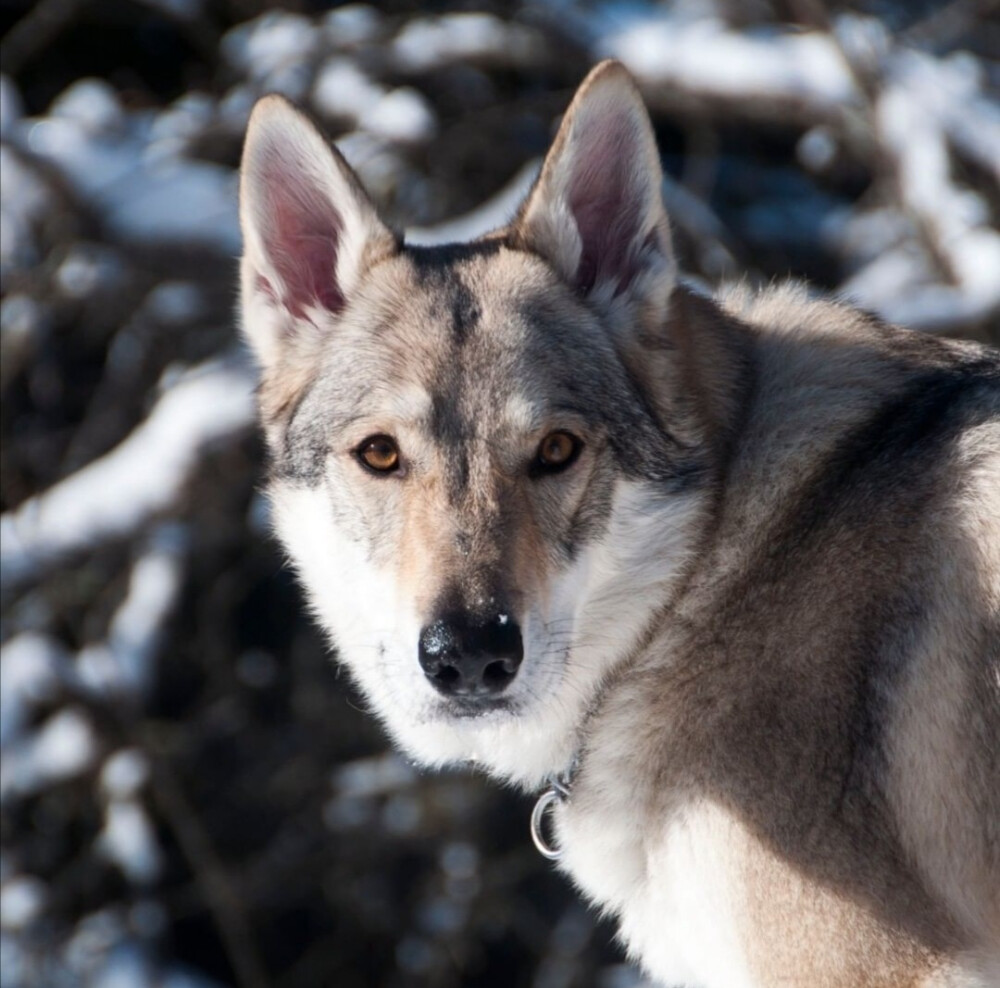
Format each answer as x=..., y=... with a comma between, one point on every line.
x=669, y=883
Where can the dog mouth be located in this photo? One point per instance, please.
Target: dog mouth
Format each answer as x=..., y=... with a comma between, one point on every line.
x=462, y=708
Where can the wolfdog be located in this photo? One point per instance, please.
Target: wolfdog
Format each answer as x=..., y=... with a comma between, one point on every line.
x=721, y=573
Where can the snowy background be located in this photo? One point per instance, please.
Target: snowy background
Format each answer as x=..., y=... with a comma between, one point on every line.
x=190, y=795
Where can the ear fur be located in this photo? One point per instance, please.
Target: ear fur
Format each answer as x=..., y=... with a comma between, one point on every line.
x=596, y=211
x=309, y=231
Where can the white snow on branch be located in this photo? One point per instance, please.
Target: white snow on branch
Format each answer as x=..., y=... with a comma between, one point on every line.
x=124, y=774
x=64, y=747
x=123, y=665
x=142, y=193
x=912, y=122
x=32, y=666
x=951, y=89
x=145, y=474
x=352, y=24
x=22, y=899
x=496, y=212
x=705, y=58
x=128, y=840
x=270, y=43
x=342, y=89
x=430, y=42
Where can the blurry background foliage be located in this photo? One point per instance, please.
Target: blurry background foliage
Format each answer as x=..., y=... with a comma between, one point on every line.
x=190, y=793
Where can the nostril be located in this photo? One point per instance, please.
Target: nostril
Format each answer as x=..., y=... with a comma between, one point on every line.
x=498, y=674
x=447, y=676
x=501, y=635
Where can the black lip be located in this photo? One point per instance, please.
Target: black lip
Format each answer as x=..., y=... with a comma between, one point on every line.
x=470, y=709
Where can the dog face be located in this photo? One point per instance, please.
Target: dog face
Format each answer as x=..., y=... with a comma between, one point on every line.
x=470, y=473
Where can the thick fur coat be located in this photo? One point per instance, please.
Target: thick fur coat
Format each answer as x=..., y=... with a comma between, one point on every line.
x=736, y=559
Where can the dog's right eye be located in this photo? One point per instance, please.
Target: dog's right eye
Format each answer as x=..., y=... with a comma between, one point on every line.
x=380, y=454
x=557, y=451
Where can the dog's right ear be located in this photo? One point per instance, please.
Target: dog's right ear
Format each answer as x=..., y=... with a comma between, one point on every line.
x=596, y=212
x=309, y=232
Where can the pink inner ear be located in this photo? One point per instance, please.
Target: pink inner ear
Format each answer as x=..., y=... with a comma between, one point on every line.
x=607, y=204
x=301, y=237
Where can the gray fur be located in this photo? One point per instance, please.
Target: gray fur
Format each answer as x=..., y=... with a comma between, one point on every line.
x=782, y=675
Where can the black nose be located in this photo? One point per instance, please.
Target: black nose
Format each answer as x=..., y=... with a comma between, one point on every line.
x=472, y=658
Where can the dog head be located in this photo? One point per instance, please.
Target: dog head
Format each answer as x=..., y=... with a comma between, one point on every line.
x=472, y=466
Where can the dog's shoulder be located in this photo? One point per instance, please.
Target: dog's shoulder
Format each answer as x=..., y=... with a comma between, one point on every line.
x=844, y=403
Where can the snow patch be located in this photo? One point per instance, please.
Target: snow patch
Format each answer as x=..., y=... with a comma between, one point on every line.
x=429, y=42
x=143, y=197
x=705, y=57
x=144, y=474
x=496, y=212
x=32, y=667
x=64, y=747
x=124, y=774
x=351, y=25
x=128, y=840
x=401, y=115
x=91, y=104
x=22, y=900
x=124, y=664
x=343, y=90
x=273, y=41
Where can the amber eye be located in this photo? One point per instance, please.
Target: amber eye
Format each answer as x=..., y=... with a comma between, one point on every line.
x=379, y=453
x=556, y=452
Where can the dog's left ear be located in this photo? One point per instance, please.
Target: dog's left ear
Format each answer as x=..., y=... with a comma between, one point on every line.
x=596, y=212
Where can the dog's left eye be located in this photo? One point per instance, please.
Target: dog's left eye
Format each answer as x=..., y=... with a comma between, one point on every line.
x=379, y=454
x=556, y=452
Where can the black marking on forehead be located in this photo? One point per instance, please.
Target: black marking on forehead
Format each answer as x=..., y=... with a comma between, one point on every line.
x=446, y=424
x=452, y=436
x=439, y=272
x=465, y=311
x=431, y=259
x=457, y=473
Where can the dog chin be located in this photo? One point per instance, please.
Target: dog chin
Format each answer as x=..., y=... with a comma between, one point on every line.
x=507, y=738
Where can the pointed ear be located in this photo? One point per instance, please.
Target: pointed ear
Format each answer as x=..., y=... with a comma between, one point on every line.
x=596, y=212
x=309, y=231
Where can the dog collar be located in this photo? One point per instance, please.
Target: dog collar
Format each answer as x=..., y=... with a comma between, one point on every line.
x=556, y=791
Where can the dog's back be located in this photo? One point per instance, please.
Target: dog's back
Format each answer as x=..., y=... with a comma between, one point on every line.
x=814, y=726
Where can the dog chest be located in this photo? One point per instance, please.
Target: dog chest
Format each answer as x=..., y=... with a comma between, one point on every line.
x=668, y=882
